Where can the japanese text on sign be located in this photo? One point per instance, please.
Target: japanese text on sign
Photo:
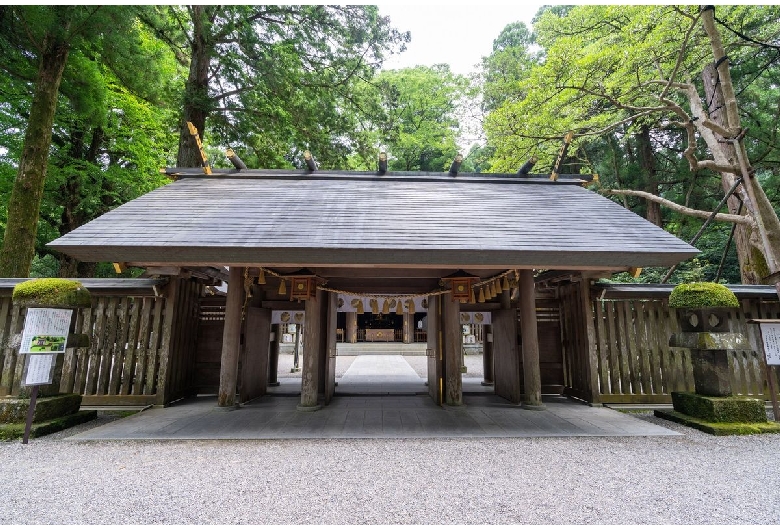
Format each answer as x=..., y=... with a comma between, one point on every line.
x=45, y=330
x=770, y=334
x=39, y=369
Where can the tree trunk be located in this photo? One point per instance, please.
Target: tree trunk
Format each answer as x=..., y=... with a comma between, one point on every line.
x=196, y=96
x=752, y=263
x=24, y=206
x=647, y=161
x=767, y=242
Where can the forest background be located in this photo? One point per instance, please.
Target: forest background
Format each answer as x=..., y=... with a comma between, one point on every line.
x=95, y=100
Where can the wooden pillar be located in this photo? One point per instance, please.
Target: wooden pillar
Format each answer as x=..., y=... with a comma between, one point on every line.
x=273, y=359
x=434, y=350
x=408, y=328
x=591, y=361
x=331, y=345
x=231, y=339
x=257, y=343
x=505, y=355
x=310, y=369
x=324, y=300
x=487, y=355
x=532, y=379
x=453, y=349
x=351, y=331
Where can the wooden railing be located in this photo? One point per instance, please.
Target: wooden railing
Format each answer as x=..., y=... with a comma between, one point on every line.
x=140, y=346
x=634, y=362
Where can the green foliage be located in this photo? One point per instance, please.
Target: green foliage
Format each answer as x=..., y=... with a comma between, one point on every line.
x=51, y=292
x=702, y=294
x=418, y=126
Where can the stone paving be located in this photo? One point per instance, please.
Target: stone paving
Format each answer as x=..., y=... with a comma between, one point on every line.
x=377, y=397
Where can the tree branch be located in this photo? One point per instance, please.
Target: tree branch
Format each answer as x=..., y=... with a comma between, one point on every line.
x=701, y=214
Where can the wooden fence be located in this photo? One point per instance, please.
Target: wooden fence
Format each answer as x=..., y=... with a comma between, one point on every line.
x=141, y=343
x=628, y=349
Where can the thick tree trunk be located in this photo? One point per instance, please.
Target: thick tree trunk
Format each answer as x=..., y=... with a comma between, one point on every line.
x=752, y=264
x=647, y=161
x=23, y=208
x=196, y=97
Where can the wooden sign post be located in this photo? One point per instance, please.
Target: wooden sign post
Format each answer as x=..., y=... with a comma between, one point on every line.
x=45, y=335
x=769, y=344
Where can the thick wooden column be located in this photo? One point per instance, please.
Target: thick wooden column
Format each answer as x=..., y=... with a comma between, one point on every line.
x=532, y=379
x=487, y=355
x=505, y=355
x=408, y=331
x=453, y=349
x=434, y=350
x=257, y=345
x=591, y=361
x=351, y=331
x=273, y=359
x=330, y=352
x=312, y=345
x=231, y=339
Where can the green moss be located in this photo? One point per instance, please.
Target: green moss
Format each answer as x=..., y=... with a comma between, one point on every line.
x=13, y=431
x=719, y=429
x=720, y=409
x=702, y=294
x=51, y=292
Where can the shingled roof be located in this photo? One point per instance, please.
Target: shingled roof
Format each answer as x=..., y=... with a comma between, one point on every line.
x=293, y=218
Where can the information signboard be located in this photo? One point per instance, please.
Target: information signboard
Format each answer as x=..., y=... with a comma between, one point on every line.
x=45, y=330
x=39, y=369
x=770, y=334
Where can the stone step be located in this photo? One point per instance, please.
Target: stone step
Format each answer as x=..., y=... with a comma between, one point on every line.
x=381, y=348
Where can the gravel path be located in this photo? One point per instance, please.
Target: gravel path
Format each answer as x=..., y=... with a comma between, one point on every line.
x=690, y=479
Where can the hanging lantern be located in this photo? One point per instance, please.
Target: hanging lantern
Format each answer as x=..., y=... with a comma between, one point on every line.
x=461, y=281
x=481, y=298
x=261, y=277
x=399, y=307
x=304, y=285
x=283, y=288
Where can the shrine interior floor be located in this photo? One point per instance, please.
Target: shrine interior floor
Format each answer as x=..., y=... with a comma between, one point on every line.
x=375, y=398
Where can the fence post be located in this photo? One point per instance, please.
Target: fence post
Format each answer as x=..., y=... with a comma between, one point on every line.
x=171, y=296
x=591, y=352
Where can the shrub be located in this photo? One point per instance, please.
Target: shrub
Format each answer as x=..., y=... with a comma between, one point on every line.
x=702, y=294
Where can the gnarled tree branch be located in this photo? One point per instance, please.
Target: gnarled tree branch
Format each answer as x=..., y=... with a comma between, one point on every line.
x=701, y=214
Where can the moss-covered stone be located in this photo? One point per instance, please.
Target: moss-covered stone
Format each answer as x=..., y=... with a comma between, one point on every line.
x=14, y=431
x=702, y=294
x=719, y=429
x=51, y=292
x=720, y=409
x=14, y=410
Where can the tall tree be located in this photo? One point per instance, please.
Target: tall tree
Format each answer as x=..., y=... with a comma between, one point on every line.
x=419, y=128
x=49, y=35
x=630, y=71
x=274, y=79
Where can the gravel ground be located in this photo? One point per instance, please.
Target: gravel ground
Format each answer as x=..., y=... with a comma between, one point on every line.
x=690, y=479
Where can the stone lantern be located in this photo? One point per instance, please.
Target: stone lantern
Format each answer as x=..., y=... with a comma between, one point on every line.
x=707, y=331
